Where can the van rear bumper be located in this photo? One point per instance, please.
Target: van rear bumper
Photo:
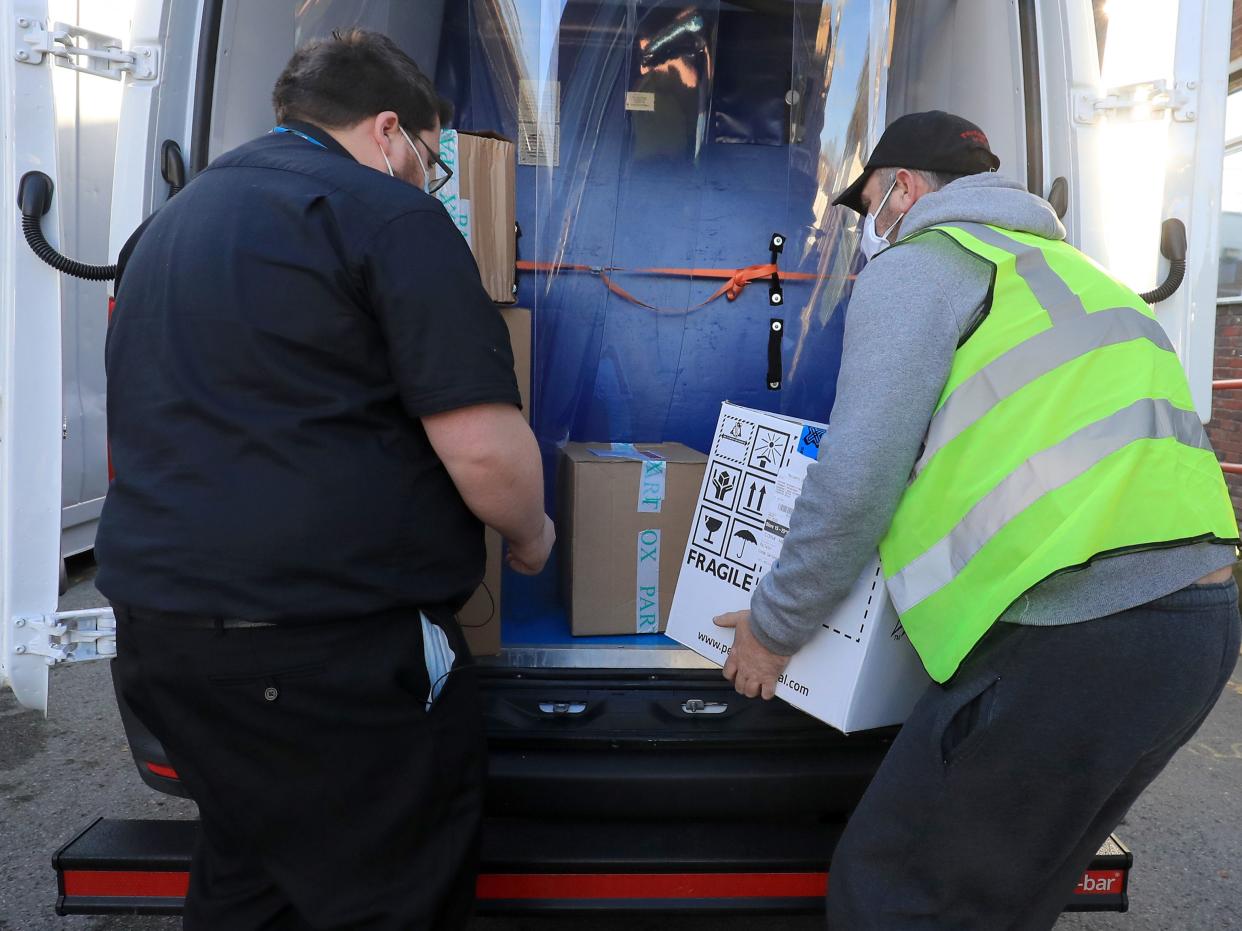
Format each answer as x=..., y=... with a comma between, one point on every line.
x=142, y=867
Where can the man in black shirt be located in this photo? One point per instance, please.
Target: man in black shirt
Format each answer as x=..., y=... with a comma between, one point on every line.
x=312, y=414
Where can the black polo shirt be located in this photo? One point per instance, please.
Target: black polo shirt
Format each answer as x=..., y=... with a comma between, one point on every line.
x=280, y=327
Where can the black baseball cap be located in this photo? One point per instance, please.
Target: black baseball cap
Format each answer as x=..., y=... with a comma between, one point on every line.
x=930, y=141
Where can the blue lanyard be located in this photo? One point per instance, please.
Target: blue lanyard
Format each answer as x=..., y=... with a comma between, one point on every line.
x=286, y=129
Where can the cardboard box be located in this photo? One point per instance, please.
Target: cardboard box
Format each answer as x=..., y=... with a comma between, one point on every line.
x=480, y=200
x=520, y=323
x=624, y=517
x=859, y=671
x=480, y=618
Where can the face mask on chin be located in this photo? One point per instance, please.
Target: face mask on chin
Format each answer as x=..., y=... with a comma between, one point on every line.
x=873, y=242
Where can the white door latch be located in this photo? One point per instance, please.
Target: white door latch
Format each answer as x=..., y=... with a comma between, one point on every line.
x=66, y=636
x=1146, y=100
x=82, y=50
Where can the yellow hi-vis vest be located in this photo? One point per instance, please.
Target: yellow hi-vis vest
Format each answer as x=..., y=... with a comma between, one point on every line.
x=1065, y=433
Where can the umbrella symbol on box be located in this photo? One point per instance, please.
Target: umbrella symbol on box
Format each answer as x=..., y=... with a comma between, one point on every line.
x=746, y=537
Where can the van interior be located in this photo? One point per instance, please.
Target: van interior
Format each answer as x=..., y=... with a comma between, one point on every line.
x=672, y=135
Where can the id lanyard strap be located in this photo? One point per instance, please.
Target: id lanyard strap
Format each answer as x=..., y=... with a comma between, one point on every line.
x=310, y=139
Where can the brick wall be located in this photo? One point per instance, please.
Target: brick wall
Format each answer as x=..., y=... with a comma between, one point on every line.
x=1235, y=45
x=1225, y=428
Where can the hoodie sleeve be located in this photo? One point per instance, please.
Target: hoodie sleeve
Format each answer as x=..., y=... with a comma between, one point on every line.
x=905, y=317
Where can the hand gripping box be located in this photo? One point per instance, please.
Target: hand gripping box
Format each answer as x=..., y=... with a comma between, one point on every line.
x=859, y=671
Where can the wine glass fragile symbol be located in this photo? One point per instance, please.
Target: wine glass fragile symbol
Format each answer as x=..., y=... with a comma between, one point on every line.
x=713, y=524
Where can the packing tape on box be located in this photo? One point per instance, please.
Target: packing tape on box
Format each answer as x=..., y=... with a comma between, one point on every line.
x=651, y=480
x=458, y=208
x=647, y=594
x=651, y=487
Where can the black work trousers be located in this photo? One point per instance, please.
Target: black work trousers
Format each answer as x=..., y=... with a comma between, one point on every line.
x=1001, y=786
x=331, y=795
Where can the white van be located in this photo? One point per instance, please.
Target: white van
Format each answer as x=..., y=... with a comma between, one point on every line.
x=649, y=133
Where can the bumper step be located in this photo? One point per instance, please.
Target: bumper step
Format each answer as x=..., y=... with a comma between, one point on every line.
x=142, y=867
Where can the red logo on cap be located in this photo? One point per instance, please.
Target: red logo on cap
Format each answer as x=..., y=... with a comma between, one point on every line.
x=975, y=135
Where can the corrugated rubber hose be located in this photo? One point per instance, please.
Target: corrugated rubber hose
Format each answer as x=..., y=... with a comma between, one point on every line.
x=1173, y=248
x=1172, y=281
x=34, y=198
x=44, y=250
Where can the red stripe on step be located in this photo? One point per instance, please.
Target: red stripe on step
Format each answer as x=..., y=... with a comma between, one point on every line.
x=127, y=883
x=652, y=885
x=553, y=886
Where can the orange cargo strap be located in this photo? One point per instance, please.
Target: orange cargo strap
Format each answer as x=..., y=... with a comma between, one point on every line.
x=735, y=280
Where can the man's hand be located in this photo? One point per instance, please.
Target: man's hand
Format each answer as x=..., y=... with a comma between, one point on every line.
x=529, y=558
x=751, y=667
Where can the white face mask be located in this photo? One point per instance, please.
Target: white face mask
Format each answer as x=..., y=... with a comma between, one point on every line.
x=414, y=149
x=874, y=242
x=421, y=163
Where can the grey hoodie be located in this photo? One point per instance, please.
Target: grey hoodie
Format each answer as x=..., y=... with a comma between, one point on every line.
x=909, y=309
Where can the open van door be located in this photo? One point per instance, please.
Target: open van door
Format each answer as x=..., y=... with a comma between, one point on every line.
x=1133, y=145
x=156, y=136
x=34, y=636
x=30, y=364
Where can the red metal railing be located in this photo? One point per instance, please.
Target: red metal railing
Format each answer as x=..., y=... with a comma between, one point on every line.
x=1229, y=384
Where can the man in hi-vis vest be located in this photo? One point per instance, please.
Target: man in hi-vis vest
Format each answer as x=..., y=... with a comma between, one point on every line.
x=1014, y=431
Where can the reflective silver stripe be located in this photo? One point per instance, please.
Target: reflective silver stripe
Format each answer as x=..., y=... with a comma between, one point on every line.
x=1042, y=473
x=1049, y=288
x=1032, y=359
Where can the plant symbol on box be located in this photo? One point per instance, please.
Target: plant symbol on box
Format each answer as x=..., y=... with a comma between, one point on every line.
x=712, y=524
x=723, y=483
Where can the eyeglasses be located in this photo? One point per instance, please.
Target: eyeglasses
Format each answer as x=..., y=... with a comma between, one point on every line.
x=443, y=172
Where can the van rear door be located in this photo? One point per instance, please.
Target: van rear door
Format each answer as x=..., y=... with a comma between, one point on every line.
x=1133, y=118
x=155, y=137
x=30, y=360
x=154, y=66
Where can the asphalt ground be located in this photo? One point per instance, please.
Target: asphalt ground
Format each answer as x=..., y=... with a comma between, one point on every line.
x=59, y=773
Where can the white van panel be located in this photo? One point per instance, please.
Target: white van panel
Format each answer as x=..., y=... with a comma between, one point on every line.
x=963, y=56
x=257, y=40
x=87, y=109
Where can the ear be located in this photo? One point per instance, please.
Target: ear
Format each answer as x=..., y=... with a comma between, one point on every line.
x=911, y=187
x=384, y=125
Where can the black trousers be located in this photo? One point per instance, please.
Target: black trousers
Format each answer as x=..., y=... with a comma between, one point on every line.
x=331, y=796
x=1001, y=786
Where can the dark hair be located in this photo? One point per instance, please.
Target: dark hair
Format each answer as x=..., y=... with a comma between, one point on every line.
x=354, y=75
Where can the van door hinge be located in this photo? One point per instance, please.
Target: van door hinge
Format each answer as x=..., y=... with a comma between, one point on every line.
x=66, y=636
x=82, y=50
x=1147, y=100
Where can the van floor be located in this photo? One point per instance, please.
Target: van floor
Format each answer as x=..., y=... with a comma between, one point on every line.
x=535, y=614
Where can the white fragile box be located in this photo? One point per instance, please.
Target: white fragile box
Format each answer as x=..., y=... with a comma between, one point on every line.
x=859, y=671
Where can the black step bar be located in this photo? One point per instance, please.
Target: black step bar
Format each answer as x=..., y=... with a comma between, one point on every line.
x=142, y=868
